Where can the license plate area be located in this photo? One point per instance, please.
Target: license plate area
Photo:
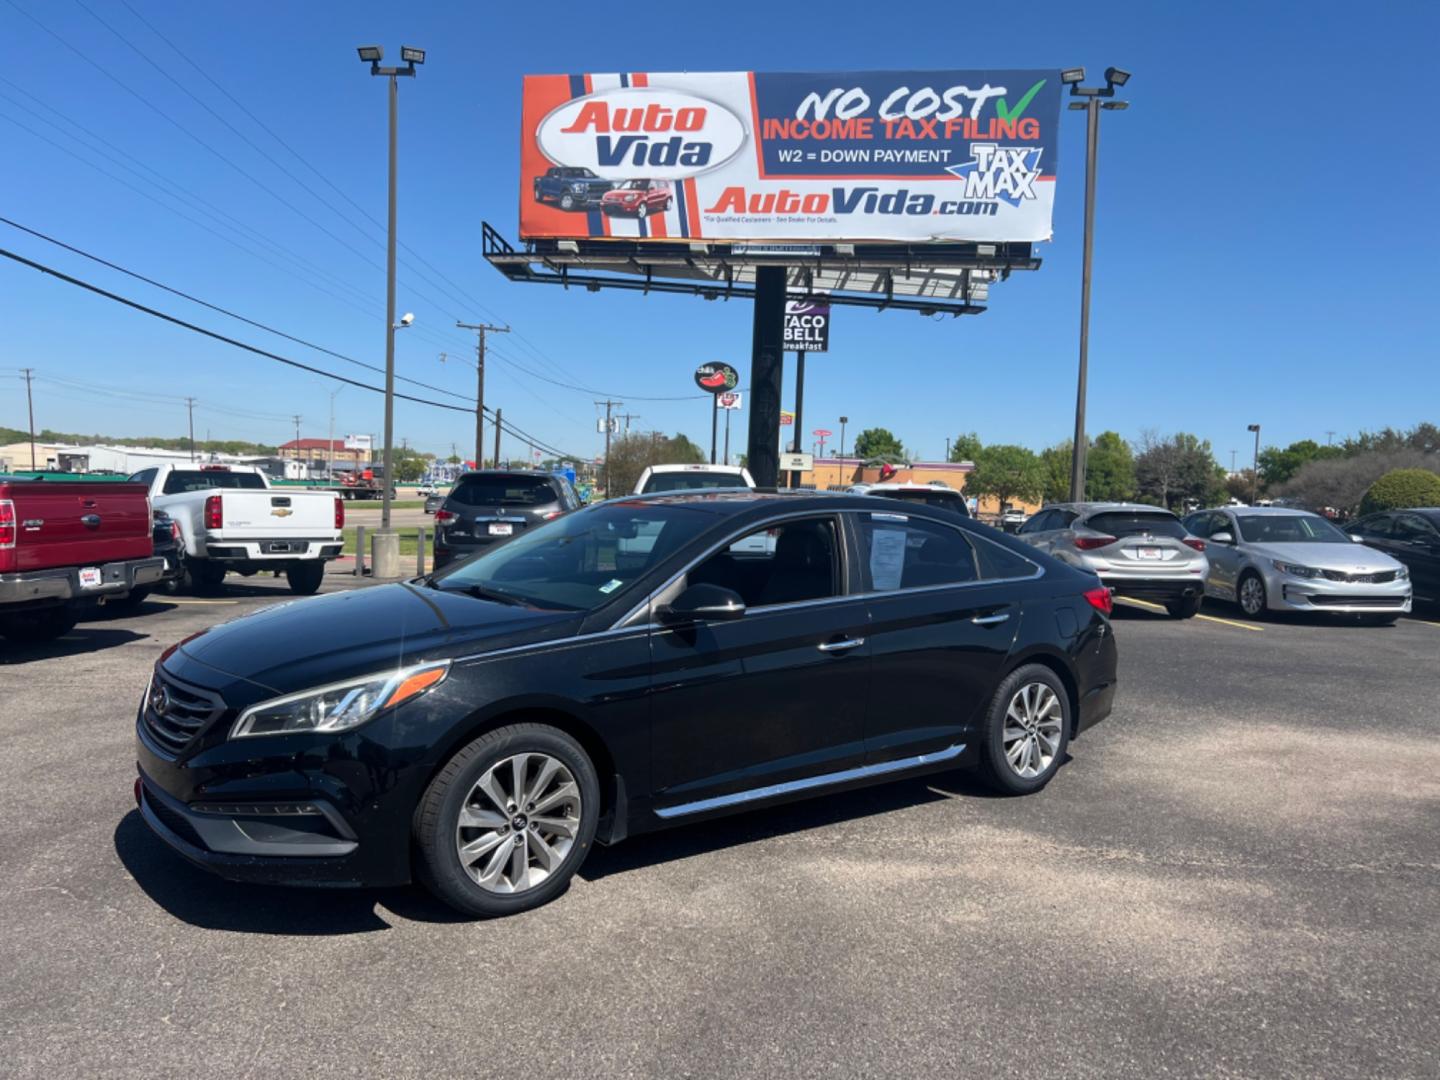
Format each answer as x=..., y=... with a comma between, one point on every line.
x=501, y=529
x=90, y=577
x=1148, y=553
x=282, y=547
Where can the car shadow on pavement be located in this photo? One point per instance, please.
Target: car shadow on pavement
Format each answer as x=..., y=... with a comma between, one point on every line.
x=201, y=899
x=772, y=821
x=83, y=639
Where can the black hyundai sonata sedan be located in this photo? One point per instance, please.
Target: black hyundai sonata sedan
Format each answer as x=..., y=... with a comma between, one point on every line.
x=641, y=663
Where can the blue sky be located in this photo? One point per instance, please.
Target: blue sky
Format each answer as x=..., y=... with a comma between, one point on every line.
x=1266, y=234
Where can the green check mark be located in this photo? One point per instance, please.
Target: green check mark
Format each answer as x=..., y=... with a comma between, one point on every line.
x=1004, y=110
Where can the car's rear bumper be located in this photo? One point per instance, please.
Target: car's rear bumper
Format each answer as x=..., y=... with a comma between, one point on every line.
x=1171, y=587
x=273, y=548
x=41, y=587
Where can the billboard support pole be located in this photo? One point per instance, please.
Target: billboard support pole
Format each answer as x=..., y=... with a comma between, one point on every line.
x=714, y=422
x=767, y=367
x=727, y=436
x=1092, y=147
x=799, y=410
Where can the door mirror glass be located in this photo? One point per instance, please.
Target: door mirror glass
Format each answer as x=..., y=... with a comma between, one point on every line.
x=1224, y=536
x=703, y=603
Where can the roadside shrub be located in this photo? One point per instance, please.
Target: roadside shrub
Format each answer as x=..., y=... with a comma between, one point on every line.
x=1402, y=489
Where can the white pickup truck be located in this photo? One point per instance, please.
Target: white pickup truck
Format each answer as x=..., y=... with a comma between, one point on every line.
x=230, y=518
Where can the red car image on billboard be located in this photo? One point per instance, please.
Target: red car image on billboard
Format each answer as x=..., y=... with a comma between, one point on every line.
x=914, y=156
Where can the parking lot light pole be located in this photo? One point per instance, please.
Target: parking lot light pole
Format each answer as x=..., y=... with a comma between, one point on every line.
x=387, y=544
x=1092, y=100
x=1255, y=468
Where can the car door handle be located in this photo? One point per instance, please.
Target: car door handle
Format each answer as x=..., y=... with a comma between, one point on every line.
x=990, y=620
x=841, y=646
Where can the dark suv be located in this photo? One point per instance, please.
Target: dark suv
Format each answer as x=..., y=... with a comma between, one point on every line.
x=570, y=187
x=496, y=504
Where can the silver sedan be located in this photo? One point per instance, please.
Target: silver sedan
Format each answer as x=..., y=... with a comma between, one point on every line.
x=1275, y=559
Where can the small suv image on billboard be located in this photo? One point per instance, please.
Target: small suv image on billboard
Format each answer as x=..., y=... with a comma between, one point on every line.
x=570, y=188
x=639, y=198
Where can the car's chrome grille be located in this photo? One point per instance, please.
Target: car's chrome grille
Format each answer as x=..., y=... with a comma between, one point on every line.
x=183, y=713
x=1380, y=578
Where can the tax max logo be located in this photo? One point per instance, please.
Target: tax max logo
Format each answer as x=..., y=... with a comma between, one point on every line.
x=1000, y=172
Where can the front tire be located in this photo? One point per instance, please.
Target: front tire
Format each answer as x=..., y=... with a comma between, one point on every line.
x=1187, y=607
x=642, y=211
x=305, y=578
x=1027, y=729
x=506, y=823
x=1251, y=596
x=567, y=202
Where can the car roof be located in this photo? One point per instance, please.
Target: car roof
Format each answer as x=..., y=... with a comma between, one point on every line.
x=909, y=485
x=733, y=470
x=476, y=474
x=1270, y=511
x=1096, y=507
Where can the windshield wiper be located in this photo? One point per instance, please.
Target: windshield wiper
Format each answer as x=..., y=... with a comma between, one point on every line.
x=482, y=593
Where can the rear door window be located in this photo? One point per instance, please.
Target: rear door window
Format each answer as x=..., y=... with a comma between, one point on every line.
x=903, y=552
x=517, y=491
x=1122, y=523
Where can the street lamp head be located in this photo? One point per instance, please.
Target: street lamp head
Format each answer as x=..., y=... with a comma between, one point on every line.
x=1072, y=75
x=1252, y=427
x=371, y=54
x=406, y=319
x=1115, y=105
x=1077, y=106
x=412, y=55
x=1116, y=76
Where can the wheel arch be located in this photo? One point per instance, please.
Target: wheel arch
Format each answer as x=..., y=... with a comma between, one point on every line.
x=1059, y=664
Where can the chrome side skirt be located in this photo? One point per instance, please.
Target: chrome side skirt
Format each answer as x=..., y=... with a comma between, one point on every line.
x=790, y=786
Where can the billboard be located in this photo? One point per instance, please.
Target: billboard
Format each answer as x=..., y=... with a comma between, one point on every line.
x=358, y=442
x=830, y=157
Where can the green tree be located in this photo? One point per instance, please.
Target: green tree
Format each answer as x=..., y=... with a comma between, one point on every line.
x=1402, y=489
x=1109, y=469
x=966, y=447
x=1056, y=461
x=1008, y=473
x=1279, y=466
x=1177, y=468
x=632, y=453
x=878, y=443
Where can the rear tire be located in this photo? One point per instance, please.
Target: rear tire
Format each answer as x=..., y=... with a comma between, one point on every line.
x=205, y=577
x=439, y=829
x=1187, y=607
x=41, y=624
x=1251, y=596
x=1027, y=730
x=132, y=600
x=306, y=578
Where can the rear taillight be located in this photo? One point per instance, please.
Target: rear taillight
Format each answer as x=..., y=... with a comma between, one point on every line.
x=175, y=531
x=1089, y=543
x=7, y=523
x=339, y=512
x=551, y=514
x=1190, y=541
x=1101, y=599
x=442, y=516
x=214, y=513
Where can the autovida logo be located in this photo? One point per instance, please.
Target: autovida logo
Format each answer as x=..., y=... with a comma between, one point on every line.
x=641, y=133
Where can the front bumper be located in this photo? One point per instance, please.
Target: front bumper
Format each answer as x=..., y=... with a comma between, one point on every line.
x=40, y=587
x=1288, y=593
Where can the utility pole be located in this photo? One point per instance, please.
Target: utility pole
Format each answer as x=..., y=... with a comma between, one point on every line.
x=29, y=374
x=480, y=331
x=1255, y=471
x=1329, y=438
x=609, y=406
x=1232, y=461
x=330, y=442
x=498, y=417
x=190, y=408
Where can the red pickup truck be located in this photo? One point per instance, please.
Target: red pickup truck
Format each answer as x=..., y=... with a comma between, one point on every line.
x=68, y=546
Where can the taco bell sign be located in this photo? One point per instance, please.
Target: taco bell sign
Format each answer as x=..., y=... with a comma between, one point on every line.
x=807, y=325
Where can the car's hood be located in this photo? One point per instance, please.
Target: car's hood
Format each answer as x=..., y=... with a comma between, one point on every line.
x=1351, y=558
x=324, y=639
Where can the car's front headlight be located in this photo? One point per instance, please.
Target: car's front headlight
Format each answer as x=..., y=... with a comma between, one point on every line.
x=1402, y=574
x=340, y=706
x=1296, y=569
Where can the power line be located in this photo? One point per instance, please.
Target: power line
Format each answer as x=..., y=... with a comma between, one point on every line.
x=591, y=390
x=217, y=308
x=174, y=320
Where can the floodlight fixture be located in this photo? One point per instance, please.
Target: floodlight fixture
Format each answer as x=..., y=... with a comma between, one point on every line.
x=411, y=55
x=1115, y=105
x=1073, y=75
x=371, y=54
x=1116, y=76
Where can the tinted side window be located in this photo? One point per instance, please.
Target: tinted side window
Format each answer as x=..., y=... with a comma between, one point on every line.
x=901, y=552
x=796, y=561
x=1377, y=526
x=1203, y=525
x=999, y=563
x=1412, y=527
x=144, y=476
x=1039, y=523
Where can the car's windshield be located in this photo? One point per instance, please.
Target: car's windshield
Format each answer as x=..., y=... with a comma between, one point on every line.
x=583, y=560
x=635, y=185
x=692, y=481
x=502, y=490
x=1136, y=523
x=205, y=479
x=1288, y=529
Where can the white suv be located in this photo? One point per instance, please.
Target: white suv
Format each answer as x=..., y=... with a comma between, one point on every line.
x=691, y=478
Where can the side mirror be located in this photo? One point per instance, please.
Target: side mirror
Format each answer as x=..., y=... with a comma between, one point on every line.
x=702, y=603
x=1357, y=538
x=1222, y=537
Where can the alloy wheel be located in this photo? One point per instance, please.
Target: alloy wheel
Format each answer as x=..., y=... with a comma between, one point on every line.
x=1252, y=595
x=518, y=823
x=1031, y=736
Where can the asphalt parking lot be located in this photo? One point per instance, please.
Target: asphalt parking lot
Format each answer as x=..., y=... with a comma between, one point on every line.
x=1238, y=874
